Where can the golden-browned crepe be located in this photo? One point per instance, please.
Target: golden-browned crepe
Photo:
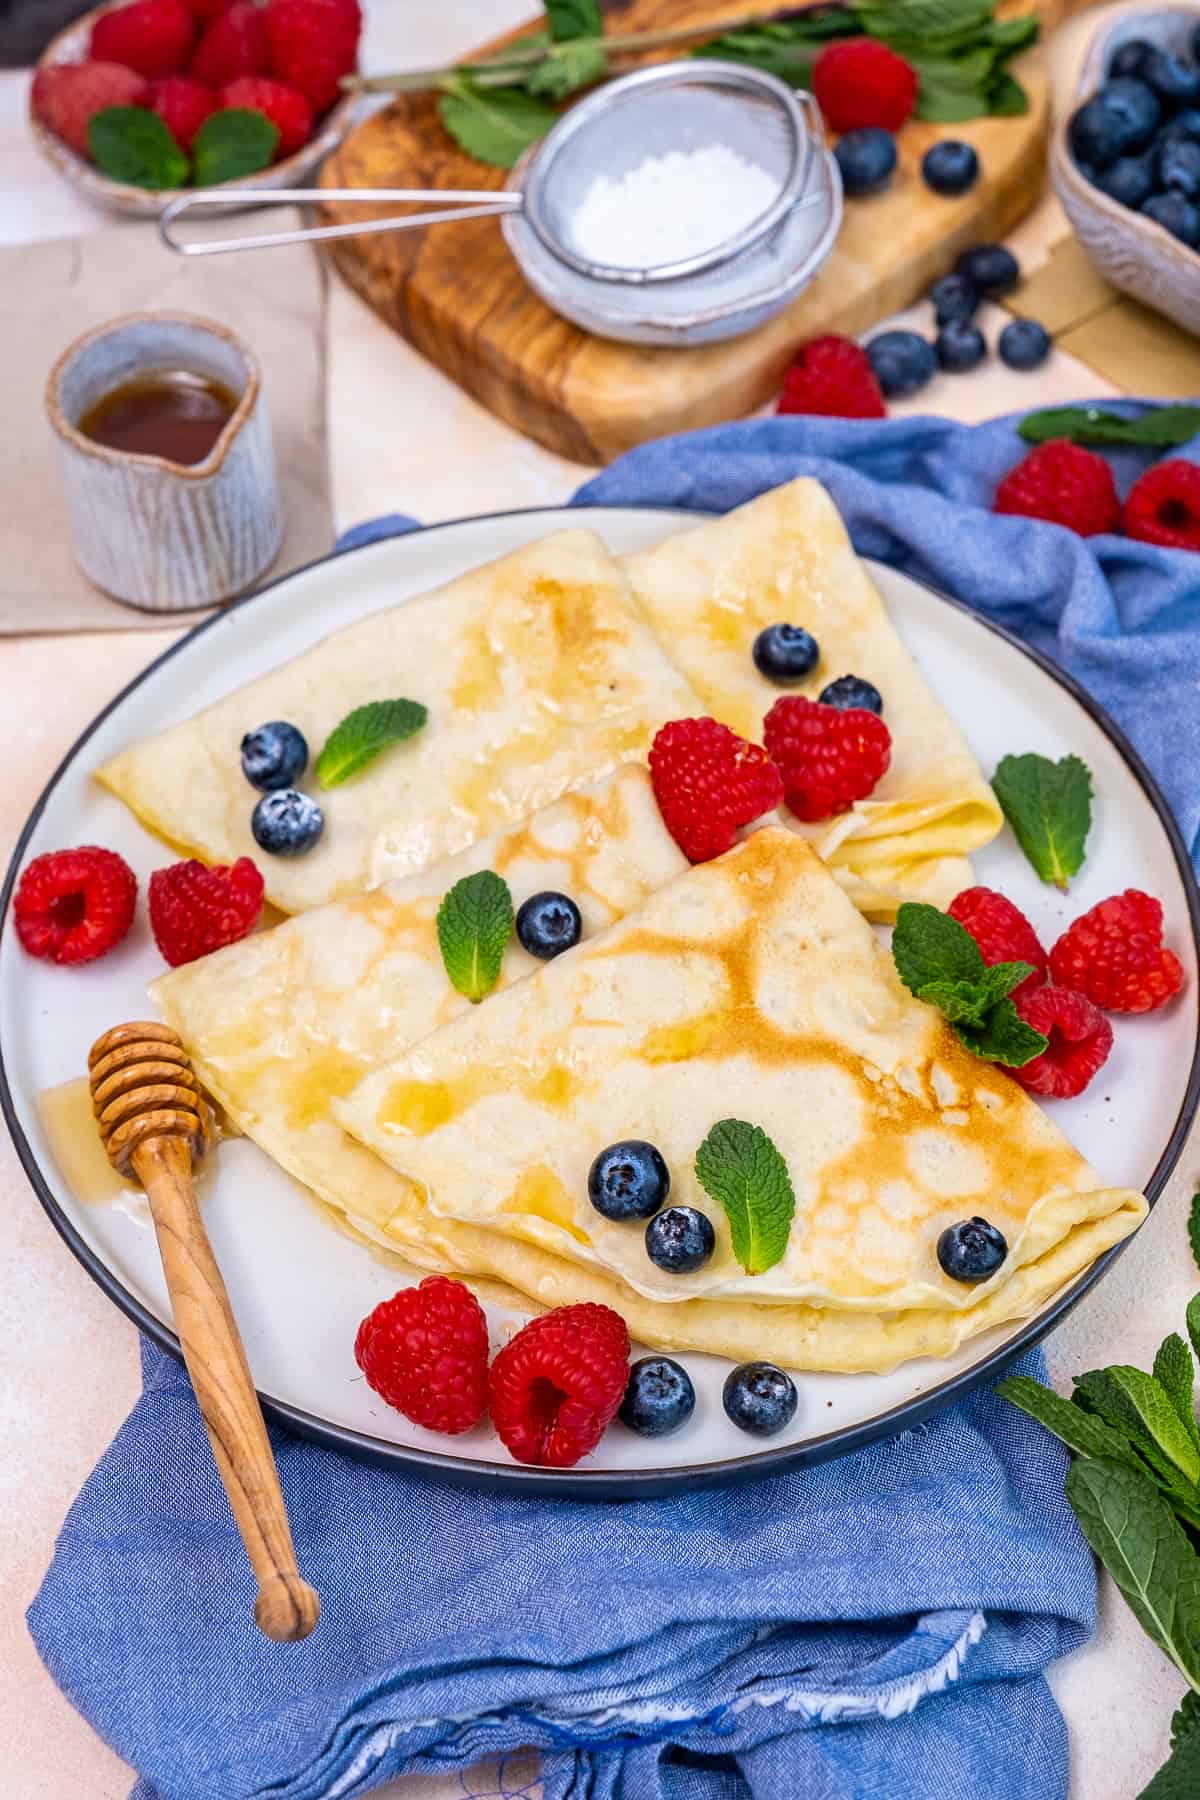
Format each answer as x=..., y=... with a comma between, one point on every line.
x=539, y=674
x=786, y=558
x=748, y=988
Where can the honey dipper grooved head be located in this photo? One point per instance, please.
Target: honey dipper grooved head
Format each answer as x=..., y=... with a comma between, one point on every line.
x=143, y=1086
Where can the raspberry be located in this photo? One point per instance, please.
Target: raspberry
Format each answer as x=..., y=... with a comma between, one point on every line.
x=829, y=757
x=205, y=11
x=194, y=909
x=151, y=36
x=72, y=906
x=67, y=96
x=234, y=44
x=1001, y=930
x=313, y=43
x=285, y=106
x=861, y=82
x=183, y=105
x=832, y=376
x=1080, y=1040
x=425, y=1351
x=708, y=781
x=1062, y=482
x=1164, y=506
x=1114, y=954
x=557, y=1385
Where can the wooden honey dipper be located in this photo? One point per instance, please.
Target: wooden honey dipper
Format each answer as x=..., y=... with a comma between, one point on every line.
x=153, y=1121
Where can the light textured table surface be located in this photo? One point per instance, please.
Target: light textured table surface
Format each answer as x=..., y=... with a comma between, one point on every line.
x=404, y=438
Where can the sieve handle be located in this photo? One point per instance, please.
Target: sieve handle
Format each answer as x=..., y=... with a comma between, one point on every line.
x=463, y=204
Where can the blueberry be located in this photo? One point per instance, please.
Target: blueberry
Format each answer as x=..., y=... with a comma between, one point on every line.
x=1023, y=344
x=287, y=822
x=1136, y=108
x=1128, y=59
x=1176, y=214
x=660, y=1397
x=1177, y=165
x=1175, y=82
x=759, y=1398
x=960, y=346
x=629, y=1180
x=1185, y=124
x=866, y=159
x=950, y=167
x=902, y=361
x=954, y=297
x=971, y=1250
x=274, y=756
x=1095, y=136
x=785, y=654
x=680, y=1240
x=991, y=269
x=1196, y=45
x=1129, y=180
x=549, y=923
x=851, y=690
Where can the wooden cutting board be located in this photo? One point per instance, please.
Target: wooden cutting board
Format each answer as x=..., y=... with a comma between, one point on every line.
x=457, y=295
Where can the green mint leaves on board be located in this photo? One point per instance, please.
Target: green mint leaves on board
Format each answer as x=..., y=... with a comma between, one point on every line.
x=231, y=144
x=1049, y=807
x=1194, y=1228
x=494, y=125
x=474, y=924
x=570, y=19
x=739, y=1167
x=363, y=733
x=131, y=144
x=939, y=961
x=1163, y=428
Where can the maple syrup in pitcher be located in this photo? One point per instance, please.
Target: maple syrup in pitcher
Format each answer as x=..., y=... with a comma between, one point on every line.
x=172, y=413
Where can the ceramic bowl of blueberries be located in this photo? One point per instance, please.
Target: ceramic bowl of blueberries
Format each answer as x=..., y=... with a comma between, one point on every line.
x=1126, y=162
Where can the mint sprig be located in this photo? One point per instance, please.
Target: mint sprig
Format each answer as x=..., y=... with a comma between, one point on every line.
x=494, y=125
x=365, y=732
x=1194, y=1228
x=474, y=924
x=1163, y=428
x=235, y=142
x=1049, y=807
x=132, y=144
x=939, y=961
x=739, y=1167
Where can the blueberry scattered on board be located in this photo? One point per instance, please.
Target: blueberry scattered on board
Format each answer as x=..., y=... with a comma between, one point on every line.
x=549, y=923
x=660, y=1397
x=759, y=1398
x=991, y=269
x=1137, y=138
x=287, y=822
x=971, y=1250
x=629, y=1180
x=954, y=297
x=866, y=159
x=274, y=756
x=785, y=654
x=852, y=691
x=902, y=362
x=950, y=167
x=1023, y=344
x=680, y=1240
x=960, y=346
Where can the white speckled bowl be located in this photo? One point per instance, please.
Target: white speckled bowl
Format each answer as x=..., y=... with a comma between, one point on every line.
x=160, y=535
x=1128, y=249
x=71, y=45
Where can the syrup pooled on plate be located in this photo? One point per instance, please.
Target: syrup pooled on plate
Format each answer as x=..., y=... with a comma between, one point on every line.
x=172, y=413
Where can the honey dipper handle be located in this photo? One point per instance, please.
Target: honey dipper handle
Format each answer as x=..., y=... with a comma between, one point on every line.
x=287, y=1607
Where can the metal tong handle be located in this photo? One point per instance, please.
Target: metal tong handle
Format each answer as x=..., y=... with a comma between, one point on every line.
x=467, y=204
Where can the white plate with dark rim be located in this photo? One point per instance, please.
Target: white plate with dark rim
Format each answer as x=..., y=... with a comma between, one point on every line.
x=300, y=1287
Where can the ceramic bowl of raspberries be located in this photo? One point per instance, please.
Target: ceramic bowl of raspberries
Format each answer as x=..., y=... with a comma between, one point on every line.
x=139, y=99
x=1126, y=161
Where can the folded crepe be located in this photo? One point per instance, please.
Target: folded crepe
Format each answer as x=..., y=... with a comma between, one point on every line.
x=785, y=558
x=539, y=675
x=747, y=988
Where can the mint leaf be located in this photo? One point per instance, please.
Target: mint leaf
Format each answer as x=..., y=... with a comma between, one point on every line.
x=928, y=945
x=574, y=19
x=1194, y=1228
x=1006, y=98
x=494, y=125
x=1083, y=1432
x=1179, y=1777
x=1157, y=1413
x=1004, y=1037
x=1163, y=428
x=363, y=733
x=474, y=923
x=235, y=142
x=1049, y=806
x=566, y=68
x=1193, y=1322
x=132, y=144
x=739, y=1167
x=970, y=1002
x=1133, y=1532
x=1175, y=1373
x=1185, y=1726
x=1124, y=1405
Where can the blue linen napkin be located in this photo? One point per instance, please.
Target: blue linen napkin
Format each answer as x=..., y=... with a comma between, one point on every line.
x=878, y=1626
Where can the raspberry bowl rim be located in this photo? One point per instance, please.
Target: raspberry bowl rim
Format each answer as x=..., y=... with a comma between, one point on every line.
x=647, y=1482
